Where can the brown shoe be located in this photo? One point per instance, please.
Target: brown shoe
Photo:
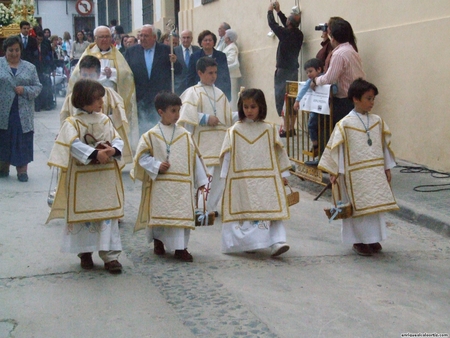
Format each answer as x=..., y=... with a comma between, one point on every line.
x=113, y=267
x=86, y=260
x=362, y=249
x=158, y=247
x=375, y=247
x=183, y=255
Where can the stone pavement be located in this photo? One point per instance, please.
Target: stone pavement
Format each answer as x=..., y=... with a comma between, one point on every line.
x=319, y=288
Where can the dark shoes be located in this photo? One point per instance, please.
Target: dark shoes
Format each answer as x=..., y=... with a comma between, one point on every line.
x=375, y=247
x=283, y=133
x=158, y=247
x=86, y=261
x=366, y=249
x=22, y=177
x=113, y=267
x=183, y=255
x=4, y=173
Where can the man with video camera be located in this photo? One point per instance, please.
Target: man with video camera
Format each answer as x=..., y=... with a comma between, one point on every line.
x=290, y=42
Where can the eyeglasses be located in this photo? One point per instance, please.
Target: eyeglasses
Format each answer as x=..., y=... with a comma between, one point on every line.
x=104, y=37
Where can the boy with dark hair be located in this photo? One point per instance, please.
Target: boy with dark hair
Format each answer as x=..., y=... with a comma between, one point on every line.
x=358, y=158
x=206, y=112
x=313, y=68
x=169, y=165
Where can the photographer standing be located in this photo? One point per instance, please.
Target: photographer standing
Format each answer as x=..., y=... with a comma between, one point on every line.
x=290, y=42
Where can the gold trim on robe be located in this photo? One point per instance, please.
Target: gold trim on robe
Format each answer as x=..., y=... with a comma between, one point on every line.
x=254, y=188
x=208, y=139
x=167, y=201
x=113, y=107
x=91, y=192
x=125, y=83
x=365, y=178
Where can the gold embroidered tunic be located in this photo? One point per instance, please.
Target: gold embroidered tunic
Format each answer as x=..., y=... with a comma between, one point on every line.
x=113, y=106
x=363, y=165
x=205, y=99
x=86, y=192
x=254, y=189
x=168, y=200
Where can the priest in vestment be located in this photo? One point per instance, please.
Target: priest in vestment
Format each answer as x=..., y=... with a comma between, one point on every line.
x=113, y=105
x=115, y=73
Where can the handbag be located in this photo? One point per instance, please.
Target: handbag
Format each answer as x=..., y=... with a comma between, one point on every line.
x=293, y=197
x=99, y=145
x=338, y=210
x=203, y=217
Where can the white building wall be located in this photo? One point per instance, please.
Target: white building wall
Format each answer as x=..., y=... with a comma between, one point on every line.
x=56, y=17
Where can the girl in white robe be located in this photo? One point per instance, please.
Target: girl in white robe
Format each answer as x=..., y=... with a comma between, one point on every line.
x=255, y=165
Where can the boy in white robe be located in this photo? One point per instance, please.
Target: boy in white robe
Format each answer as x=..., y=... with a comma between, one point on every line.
x=169, y=165
x=206, y=113
x=359, y=158
x=255, y=164
x=90, y=190
x=113, y=105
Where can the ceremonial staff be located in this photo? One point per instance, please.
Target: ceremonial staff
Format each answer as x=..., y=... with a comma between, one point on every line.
x=171, y=28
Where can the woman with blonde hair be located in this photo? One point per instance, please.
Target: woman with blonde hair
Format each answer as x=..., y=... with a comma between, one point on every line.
x=67, y=43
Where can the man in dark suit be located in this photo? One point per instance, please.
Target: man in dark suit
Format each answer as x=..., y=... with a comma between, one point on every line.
x=30, y=47
x=207, y=40
x=183, y=53
x=150, y=63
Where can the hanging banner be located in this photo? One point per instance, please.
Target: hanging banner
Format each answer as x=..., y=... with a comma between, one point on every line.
x=316, y=100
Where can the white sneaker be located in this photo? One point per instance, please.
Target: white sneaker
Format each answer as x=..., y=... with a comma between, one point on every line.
x=279, y=248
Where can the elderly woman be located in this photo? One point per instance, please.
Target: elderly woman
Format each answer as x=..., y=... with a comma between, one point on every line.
x=19, y=86
x=232, y=53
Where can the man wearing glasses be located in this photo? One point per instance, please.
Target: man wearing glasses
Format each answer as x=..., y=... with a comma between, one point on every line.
x=115, y=73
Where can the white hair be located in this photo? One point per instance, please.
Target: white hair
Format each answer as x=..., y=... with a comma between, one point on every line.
x=151, y=27
x=231, y=34
x=100, y=27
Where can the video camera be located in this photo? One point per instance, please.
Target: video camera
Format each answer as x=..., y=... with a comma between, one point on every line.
x=321, y=27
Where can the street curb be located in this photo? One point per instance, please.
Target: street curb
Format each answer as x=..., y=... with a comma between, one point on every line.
x=436, y=222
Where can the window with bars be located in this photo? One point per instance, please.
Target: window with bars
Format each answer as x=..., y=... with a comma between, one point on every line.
x=101, y=7
x=125, y=15
x=113, y=12
x=147, y=12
